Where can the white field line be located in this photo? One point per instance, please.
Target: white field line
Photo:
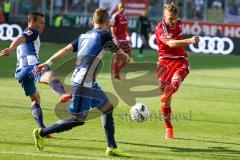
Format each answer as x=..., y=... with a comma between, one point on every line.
x=51, y=155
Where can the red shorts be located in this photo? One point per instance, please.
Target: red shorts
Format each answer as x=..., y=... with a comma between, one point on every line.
x=166, y=69
x=125, y=45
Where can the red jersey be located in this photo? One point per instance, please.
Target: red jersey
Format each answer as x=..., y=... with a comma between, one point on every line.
x=164, y=34
x=119, y=23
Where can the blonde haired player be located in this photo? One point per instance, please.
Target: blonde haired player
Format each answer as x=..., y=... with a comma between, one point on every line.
x=173, y=64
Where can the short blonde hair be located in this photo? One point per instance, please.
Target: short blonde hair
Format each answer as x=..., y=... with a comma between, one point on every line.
x=33, y=16
x=171, y=7
x=100, y=16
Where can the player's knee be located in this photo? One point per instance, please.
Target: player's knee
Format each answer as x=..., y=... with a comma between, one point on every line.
x=36, y=99
x=106, y=108
x=181, y=75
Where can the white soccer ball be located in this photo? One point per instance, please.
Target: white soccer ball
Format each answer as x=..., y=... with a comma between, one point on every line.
x=139, y=112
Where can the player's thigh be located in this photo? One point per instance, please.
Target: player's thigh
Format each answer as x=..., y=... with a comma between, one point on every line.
x=182, y=70
x=81, y=102
x=163, y=74
x=100, y=100
x=80, y=106
x=26, y=79
x=125, y=46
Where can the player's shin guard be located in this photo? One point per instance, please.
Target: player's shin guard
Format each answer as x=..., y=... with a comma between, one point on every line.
x=37, y=114
x=108, y=124
x=166, y=113
x=61, y=126
x=57, y=86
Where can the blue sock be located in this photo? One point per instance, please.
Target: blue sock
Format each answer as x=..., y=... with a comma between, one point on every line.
x=108, y=125
x=37, y=114
x=57, y=86
x=61, y=126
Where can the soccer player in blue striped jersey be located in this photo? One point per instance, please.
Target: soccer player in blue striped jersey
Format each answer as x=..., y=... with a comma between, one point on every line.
x=27, y=46
x=85, y=89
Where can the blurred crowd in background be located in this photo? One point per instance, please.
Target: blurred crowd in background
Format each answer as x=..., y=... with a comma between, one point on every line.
x=219, y=11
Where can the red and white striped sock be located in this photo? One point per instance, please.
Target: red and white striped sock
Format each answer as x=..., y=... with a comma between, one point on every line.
x=166, y=112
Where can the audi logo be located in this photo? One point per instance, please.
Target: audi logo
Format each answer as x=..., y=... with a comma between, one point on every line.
x=215, y=45
x=9, y=31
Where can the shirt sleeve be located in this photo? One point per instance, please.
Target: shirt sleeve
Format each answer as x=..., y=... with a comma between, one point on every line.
x=75, y=45
x=108, y=43
x=30, y=34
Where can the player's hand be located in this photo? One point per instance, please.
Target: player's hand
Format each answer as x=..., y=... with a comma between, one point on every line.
x=194, y=39
x=130, y=60
x=40, y=68
x=150, y=34
x=5, y=52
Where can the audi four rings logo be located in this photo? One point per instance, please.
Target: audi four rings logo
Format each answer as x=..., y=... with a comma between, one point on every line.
x=215, y=45
x=9, y=31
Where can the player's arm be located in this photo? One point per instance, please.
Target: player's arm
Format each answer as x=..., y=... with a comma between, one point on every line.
x=112, y=25
x=112, y=31
x=109, y=44
x=61, y=53
x=149, y=28
x=172, y=43
x=122, y=55
x=6, y=52
x=128, y=35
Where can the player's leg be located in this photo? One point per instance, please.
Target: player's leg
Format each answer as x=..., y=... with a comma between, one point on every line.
x=76, y=108
x=171, y=88
x=143, y=46
x=108, y=125
x=58, y=127
x=36, y=109
x=166, y=103
x=79, y=110
x=126, y=47
x=178, y=70
x=63, y=125
x=164, y=77
x=49, y=78
x=101, y=102
x=118, y=61
x=115, y=67
x=177, y=73
x=166, y=113
x=25, y=77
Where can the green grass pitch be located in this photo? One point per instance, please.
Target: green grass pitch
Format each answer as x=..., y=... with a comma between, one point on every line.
x=206, y=110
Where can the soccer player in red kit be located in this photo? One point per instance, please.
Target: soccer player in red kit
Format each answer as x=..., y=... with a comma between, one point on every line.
x=173, y=65
x=119, y=29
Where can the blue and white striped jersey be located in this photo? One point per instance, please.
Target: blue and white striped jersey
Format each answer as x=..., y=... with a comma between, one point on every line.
x=27, y=53
x=90, y=48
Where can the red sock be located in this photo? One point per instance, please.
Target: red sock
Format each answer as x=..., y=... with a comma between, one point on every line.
x=175, y=83
x=115, y=68
x=121, y=65
x=166, y=112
